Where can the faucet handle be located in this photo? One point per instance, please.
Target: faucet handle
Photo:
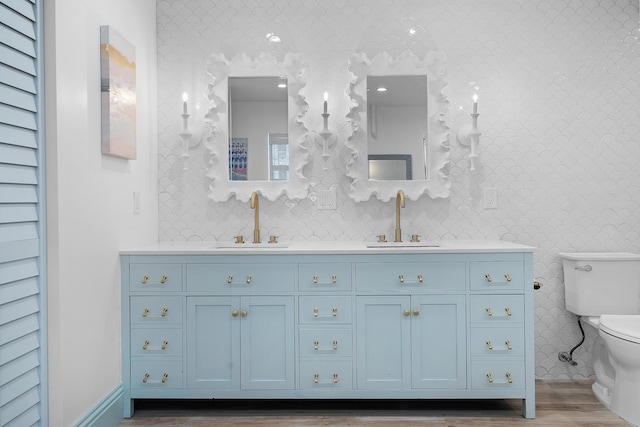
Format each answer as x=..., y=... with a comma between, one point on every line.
x=415, y=238
x=382, y=238
x=239, y=239
x=273, y=239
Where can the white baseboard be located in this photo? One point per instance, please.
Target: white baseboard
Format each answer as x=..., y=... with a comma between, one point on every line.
x=106, y=413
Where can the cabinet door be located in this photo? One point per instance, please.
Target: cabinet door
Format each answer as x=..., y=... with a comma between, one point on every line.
x=213, y=342
x=438, y=341
x=383, y=342
x=267, y=343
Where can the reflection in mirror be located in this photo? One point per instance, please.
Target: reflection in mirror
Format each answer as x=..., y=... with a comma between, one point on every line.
x=407, y=120
x=397, y=111
x=258, y=142
x=277, y=168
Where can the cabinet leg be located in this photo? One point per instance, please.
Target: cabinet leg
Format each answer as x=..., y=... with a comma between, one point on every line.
x=128, y=408
x=529, y=408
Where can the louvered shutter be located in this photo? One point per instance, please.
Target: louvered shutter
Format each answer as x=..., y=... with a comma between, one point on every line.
x=21, y=218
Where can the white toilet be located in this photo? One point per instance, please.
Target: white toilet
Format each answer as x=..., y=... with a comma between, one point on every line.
x=605, y=289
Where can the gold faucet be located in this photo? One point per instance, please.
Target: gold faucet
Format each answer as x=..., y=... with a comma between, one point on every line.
x=256, y=217
x=399, y=204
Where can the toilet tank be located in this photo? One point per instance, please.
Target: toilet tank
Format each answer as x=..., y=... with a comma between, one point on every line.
x=601, y=283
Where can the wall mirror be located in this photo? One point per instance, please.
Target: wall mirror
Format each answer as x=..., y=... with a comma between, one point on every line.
x=400, y=137
x=257, y=138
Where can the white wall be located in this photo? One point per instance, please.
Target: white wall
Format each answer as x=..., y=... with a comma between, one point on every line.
x=90, y=196
x=559, y=114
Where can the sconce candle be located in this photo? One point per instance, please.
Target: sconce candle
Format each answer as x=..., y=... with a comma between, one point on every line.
x=326, y=98
x=185, y=98
x=475, y=103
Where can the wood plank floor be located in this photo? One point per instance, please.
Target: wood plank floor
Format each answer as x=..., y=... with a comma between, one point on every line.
x=558, y=404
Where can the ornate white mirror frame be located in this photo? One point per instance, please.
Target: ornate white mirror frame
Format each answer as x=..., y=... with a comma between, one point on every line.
x=221, y=188
x=437, y=183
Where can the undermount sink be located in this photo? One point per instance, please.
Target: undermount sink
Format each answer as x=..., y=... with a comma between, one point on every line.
x=249, y=245
x=425, y=244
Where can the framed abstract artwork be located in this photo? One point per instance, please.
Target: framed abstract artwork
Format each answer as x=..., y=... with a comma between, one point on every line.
x=238, y=150
x=118, y=92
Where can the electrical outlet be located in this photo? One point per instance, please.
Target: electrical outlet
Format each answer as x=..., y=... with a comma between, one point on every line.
x=490, y=197
x=326, y=200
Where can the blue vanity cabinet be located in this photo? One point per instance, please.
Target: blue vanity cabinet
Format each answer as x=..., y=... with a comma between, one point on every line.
x=349, y=324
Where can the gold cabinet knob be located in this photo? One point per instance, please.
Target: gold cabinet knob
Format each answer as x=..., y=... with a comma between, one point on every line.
x=489, y=345
x=165, y=343
x=249, y=279
x=509, y=380
x=315, y=279
x=145, y=312
x=315, y=345
x=407, y=313
x=315, y=312
x=335, y=345
x=420, y=279
x=334, y=278
x=335, y=378
x=243, y=313
x=146, y=377
x=164, y=279
x=506, y=276
x=230, y=279
x=488, y=277
x=508, y=310
x=146, y=344
x=508, y=344
x=164, y=377
x=335, y=312
x=489, y=377
x=234, y=313
x=401, y=278
x=164, y=312
x=144, y=279
x=416, y=312
x=316, y=378
x=488, y=310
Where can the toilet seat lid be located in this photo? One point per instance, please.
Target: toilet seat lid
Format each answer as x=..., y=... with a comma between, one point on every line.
x=626, y=327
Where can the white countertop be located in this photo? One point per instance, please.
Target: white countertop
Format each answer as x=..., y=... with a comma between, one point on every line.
x=326, y=247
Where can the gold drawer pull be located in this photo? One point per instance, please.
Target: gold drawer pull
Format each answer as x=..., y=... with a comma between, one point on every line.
x=506, y=276
x=145, y=345
x=163, y=380
x=508, y=344
x=234, y=313
x=335, y=344
x=162, y=281
x=489, y=346
x=401, y=277
x=315, y=345
x=508, y=310
x=230, y=279
x=335, y=378
x=420, y=278
x=316, y=377
x=145, y=312
x=316, y=280
x=488, y=310
x=249, y=279
x=146, y=377
x=489, y=377
x=509, y=380
x=488, y=277
x=316, y=313
x=164, y=312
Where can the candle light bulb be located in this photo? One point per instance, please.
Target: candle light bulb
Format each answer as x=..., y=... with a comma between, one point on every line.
x=185, y=97
x=475, y=103
x=475, y=97
x=326, y=96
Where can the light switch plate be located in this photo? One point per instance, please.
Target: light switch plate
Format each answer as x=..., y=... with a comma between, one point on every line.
x=490, y=197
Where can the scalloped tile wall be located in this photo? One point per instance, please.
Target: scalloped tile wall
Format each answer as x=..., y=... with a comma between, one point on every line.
x=559, y=115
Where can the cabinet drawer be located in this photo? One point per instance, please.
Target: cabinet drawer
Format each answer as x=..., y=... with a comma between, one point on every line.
x=324, y=277
x=325, y=310
x=326, y=342
x=156, y=310
x=156, y=342
x=497, y=341
x=240, y=278
x=498, y=374
x=155, y=277
x=427, y=276
x=497, y=309
x=497, y=275
x=326, y=374
x=156, y=374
